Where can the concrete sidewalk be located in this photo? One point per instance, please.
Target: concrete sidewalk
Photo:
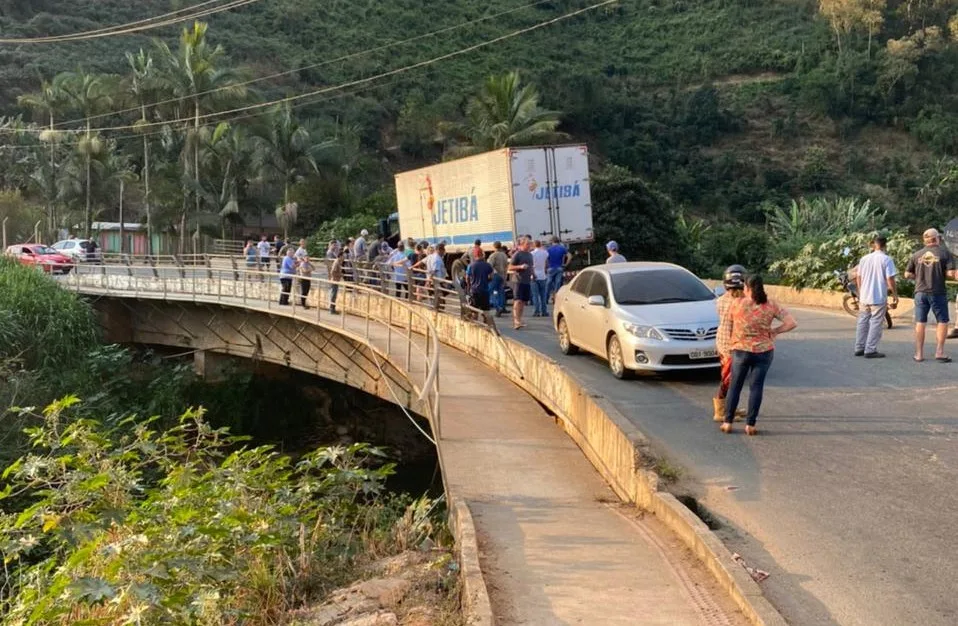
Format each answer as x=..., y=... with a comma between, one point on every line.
x=556, y=546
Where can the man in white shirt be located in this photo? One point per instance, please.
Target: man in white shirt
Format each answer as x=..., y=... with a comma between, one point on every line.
x=435, y=273
x=875, y=278
x=540, y=285
x=301, y=252
x=264, y=249
x=359, y=246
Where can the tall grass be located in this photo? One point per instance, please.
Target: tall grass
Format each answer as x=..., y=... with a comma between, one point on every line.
x=41, y=325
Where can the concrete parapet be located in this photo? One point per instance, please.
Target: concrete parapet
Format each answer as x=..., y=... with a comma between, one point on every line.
x=613, y=445
x=821, y=298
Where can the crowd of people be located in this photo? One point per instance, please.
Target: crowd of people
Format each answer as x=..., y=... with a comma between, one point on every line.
x=749, y=322
x=533, y=270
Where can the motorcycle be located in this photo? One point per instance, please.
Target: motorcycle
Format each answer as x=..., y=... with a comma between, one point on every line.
x=850, y=301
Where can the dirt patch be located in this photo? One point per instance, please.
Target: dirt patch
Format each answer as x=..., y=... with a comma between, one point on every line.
x=414, y=588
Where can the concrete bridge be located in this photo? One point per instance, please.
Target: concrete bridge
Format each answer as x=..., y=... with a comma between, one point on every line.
x=833, y=499
x=543, y=538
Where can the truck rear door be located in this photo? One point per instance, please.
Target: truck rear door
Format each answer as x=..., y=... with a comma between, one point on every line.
x=551, y=192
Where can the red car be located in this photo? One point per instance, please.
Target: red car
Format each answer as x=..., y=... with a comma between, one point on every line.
x=41, y=256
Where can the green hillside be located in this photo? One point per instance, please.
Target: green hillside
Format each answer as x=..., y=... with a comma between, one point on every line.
x=726, y=107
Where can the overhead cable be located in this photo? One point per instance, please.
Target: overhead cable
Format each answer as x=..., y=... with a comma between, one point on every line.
x=324, y=90
x=346, y=57
x=166, y=19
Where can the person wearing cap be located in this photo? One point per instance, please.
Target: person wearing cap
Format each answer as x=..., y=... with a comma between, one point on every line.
x=930, y=267
x=613, y=250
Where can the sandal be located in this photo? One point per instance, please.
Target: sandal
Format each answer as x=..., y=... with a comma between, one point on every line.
x=943, y=359
x=726, y=427
x=916, y=359
x=751, y=430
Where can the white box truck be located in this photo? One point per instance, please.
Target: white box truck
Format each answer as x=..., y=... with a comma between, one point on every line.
x=499, y=196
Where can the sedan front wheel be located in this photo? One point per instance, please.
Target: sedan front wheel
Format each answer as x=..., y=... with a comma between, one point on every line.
x=565, y=339
x=616, y=359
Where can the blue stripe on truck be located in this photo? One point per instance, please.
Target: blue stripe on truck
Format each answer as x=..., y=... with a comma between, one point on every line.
x=464, y=240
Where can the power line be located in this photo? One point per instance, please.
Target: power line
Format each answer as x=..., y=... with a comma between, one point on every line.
x=353, y=83
x=46, y=146
x=166, y=19
x=306, y=67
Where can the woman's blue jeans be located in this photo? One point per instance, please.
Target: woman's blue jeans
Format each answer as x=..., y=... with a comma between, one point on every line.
x=747, y=365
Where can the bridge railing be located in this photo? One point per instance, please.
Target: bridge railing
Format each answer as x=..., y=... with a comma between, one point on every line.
x=400, y=329
x=414, y=286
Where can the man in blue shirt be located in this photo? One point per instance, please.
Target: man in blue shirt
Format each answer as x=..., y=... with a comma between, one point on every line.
x=478, y=278
x=287, y=272
x=559, y=258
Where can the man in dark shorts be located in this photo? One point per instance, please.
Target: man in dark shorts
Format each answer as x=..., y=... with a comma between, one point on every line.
x=930, y=267
x=479, y=278
x=521, y=264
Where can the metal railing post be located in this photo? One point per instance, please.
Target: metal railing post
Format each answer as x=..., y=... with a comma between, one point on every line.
x=389, y=328
x=409, y=340
x=368, y=305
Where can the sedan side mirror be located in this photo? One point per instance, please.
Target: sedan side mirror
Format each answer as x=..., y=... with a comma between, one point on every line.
x=596, y=301
x=719, y=290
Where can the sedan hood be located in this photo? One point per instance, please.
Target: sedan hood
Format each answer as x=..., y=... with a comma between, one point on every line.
x=55, y=258
x=679, y=313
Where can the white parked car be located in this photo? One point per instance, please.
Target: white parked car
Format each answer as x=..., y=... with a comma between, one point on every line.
x=79, y=249
x=639, y=316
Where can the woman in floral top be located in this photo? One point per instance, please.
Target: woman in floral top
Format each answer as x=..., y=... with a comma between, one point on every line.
x=753, y=346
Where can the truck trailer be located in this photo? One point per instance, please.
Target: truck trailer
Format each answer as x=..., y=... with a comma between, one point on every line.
x=499, y=196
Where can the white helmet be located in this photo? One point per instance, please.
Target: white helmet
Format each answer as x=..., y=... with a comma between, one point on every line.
x=363, y=232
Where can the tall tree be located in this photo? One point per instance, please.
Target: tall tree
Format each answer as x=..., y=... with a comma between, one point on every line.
x=286, y=153
x=141, y=86
x=504, y=113
x=89, y=95
x=195, y=77
x=50, y=101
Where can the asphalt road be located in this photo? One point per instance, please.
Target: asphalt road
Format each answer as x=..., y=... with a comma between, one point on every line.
x=848, y=495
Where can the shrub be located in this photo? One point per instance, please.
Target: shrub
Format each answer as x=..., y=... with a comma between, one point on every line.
x=815, y=263
x=135, y=526
x=41, y=324
x=341, y=229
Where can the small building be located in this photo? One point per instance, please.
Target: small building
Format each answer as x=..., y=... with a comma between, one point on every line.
x=107, y=236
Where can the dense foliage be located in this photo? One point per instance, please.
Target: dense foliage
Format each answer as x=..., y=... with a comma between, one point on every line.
x=727, y=108
x=139, y=526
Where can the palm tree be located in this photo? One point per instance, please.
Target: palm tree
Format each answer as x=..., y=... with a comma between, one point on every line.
x=141, y=87
x=227, y=157
x=88, y=94
x=50, y=101
x=286, y=152
x=192, y=75
x=504, y=113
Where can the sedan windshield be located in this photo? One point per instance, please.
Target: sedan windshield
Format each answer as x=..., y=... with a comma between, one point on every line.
x=44, y=250
x=658, y=287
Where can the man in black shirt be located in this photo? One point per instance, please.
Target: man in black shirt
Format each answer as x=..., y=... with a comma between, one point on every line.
x=930, y=267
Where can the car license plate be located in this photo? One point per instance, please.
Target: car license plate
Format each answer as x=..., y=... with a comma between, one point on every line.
x=703, y=354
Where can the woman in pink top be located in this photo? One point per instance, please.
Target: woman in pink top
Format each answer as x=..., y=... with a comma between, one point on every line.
x=753, y=346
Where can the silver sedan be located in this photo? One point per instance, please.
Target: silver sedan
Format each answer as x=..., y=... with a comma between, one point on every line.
x=639, y=316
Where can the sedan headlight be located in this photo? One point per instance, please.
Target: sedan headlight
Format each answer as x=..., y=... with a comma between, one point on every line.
x=643, y=332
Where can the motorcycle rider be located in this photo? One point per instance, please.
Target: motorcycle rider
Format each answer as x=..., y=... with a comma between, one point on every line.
x=734, y=282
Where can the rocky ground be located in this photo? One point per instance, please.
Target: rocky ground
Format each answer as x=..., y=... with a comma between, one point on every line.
x=415, y=588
